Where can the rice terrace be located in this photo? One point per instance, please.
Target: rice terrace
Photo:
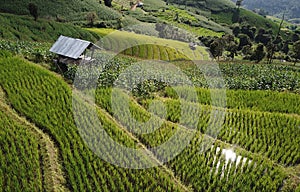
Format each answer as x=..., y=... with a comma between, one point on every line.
x=149, y=95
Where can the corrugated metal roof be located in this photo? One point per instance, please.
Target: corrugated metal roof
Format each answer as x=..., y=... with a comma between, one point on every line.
x=69, y=47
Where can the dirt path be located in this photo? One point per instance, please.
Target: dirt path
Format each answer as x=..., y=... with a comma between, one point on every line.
x=53, y=179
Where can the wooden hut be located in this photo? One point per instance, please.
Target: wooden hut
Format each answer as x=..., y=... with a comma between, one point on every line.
x=72, y=51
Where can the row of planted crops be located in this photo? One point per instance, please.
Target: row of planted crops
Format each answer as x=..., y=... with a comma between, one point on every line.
x=258, y=137
x=47, y=101
x=248, y=127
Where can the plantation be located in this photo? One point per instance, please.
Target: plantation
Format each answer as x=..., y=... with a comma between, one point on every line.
x=81, y=167
x=231, y=133
x=174, y=100
x=248, y=100
x=21, y=168
x=256, y=135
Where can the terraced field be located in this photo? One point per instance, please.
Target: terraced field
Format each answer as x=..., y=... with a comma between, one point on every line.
x=27, y=87
x=250, y=152
x=149, y=47
x=28, y=149
x=254, y=138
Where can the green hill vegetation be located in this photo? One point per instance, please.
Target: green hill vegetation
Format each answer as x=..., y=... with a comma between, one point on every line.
x=63, y=10
x=223, y=12
x=276, y=8
x=24, y=28
x=44, y=149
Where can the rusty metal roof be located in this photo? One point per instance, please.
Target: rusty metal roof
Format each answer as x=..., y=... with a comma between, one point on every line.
x=70, y=47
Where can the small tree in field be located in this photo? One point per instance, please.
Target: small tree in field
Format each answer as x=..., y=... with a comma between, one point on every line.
x=217, y=48
x=108, y=3
x=258, y=54
x=33, y=10
x=91, y=17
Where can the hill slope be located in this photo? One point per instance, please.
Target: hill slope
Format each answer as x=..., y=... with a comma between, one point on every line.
x=223, y=12
x=24, y=28
x=66, y=10
x=30, y=89
x=276, y=7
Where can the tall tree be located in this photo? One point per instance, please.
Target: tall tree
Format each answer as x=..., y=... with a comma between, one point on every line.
x=272, y=51
x=33, y=10
x=217, y=48
x=239, y=3
x=244, y=40
x=296, y=52
x=230, y=45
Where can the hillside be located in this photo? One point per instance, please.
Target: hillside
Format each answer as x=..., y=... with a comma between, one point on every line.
x=24, y=28
x=276, y=7
x=31, y=88
x=223, y=12
x=64, y=10
x=177, y=96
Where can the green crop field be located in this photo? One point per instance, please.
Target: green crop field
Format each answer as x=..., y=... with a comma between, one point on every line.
x=254, y=145
x=265, y=159
x=149, y=47
x=179, y=98
x=82, y=169
x=20, y=167
x=248, y=100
